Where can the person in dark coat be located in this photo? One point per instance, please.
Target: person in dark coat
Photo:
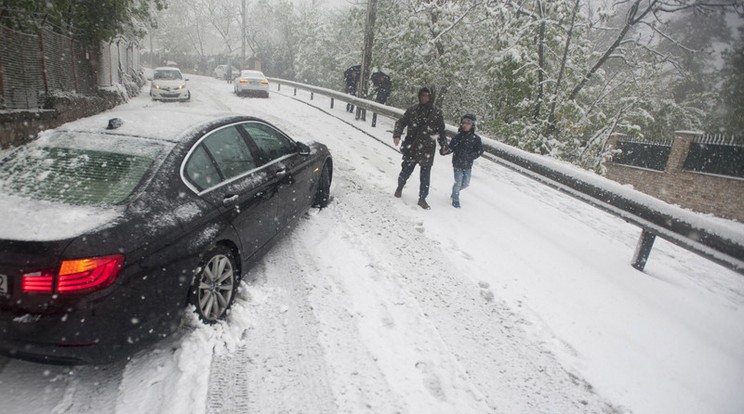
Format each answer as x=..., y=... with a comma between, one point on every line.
x=351, y=78
x=466, y=146
x=425, y=127
x=384, y=86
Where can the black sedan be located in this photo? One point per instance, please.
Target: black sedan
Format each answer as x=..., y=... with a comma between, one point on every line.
x=110, y=228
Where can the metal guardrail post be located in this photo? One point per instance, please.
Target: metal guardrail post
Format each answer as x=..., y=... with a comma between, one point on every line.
x=374, y=119
x=331, y=102
x=361, y=114
x=643, y=249
x=311, y=95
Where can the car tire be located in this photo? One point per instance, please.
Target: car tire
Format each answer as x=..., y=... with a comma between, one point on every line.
x=323, y=195
x=215, y=285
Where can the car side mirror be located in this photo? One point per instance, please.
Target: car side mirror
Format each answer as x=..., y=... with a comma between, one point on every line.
x=303, y=149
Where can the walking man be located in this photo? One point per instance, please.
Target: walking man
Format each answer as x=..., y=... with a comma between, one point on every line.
x=351, y=78
x=384, y=86
x=466, y=147
x=425, y=125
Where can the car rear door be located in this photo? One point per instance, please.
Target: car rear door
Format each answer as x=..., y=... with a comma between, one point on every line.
x=293, y=171
x=224, y=170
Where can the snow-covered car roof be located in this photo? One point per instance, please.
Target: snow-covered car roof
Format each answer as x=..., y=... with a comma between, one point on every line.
x=166, y=124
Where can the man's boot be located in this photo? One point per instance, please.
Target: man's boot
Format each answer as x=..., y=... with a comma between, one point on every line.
x=422, y=203
x=398, y=192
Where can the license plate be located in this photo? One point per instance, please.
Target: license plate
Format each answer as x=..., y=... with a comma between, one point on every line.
x=3, y=285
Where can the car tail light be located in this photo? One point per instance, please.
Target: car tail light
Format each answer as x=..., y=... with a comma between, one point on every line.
x=84, y=275
x=264, y=82
x=244, y=81
x=76, y=276
x=38, y=282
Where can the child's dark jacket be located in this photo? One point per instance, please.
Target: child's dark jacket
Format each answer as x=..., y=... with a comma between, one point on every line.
x=466, y=147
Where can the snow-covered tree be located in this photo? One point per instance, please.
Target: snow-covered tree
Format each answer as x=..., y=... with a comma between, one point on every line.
x=732, y=89
x=550, y=76
x=90, y=20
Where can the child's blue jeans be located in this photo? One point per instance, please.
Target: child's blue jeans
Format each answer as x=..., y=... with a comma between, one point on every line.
x=462, y=181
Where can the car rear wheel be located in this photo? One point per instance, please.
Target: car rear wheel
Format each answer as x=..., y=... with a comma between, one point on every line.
x=215, y=284
x=323, y=195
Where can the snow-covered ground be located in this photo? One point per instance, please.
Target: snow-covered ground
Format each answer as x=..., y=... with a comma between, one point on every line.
x=522, y=301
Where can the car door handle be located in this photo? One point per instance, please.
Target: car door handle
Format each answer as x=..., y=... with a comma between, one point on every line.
x=229, y=199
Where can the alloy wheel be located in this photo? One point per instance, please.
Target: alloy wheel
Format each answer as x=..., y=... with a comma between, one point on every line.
x=216, y=286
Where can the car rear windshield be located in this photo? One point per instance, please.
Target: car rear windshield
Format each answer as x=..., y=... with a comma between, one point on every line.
x=81, y=175
x=252, y=74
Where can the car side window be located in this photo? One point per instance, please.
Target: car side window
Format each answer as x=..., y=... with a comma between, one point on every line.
x=271, y=142
x=229, y=150
x=200, y=169
x=221, y=156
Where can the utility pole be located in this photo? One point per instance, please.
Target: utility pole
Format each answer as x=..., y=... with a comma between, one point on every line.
x=369, y=37
x=242, y=31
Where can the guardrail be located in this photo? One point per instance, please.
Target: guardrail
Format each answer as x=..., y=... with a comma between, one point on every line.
x=691, y=231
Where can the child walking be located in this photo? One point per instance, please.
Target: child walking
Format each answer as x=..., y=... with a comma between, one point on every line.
x=466, y=147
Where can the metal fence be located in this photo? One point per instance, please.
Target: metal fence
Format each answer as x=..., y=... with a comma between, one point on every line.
x=716, y=154
x=644, y=155
x=34, y=66
x=21, y=72
x=720, y=139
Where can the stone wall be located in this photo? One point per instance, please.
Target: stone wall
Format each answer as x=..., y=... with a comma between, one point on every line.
x=705, y=193
x=20, y=126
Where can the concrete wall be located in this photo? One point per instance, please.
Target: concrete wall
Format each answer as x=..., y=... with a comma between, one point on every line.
x=705, y=193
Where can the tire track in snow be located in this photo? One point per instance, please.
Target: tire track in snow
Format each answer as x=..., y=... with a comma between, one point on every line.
x=54, y=389
x=279, y=366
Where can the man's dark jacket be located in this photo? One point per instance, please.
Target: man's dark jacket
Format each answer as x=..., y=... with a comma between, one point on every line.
x=425, y=125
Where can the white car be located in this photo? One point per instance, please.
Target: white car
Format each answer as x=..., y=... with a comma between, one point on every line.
x=168, y=84
x=219, y=71
x=251, y=82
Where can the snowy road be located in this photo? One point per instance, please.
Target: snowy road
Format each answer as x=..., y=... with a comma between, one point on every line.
x=523, y=301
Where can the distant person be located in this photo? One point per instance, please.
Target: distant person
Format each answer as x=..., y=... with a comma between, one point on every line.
x=384, y=86
x=351, y=78
x=466, y=146
x=425, y=125
x=228, y=74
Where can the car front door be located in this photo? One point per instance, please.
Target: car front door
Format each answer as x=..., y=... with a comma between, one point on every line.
x=223, y=170
x=281, y=155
